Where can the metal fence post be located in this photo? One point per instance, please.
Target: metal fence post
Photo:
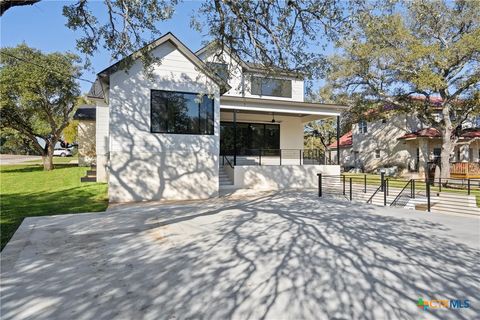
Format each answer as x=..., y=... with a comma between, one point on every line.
x=439, y=184
x=343, y=177
x=280, y=156
x=428, y=194
x=413, y=188
x=319, y=184
x=364, y=183
x=260, y=158
x=300, y=156
x=384, y=195
x=350, y=189
x=468, y=186
x=382, y=178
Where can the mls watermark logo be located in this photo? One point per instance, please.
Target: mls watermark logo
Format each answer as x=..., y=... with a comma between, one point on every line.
x=443, y=304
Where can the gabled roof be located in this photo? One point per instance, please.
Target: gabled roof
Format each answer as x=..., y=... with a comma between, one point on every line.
x=96, y=91
x=169, y=37
x=344, y=142
x=247, y=66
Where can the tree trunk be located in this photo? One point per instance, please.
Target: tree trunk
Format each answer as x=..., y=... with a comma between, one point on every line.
x=447, y=149
x=47, y=157
x=447, y=143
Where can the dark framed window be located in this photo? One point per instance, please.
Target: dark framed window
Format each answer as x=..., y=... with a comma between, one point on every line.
x=250, y=137
x=271, y=87
x=362, y=126
x=377, y=154
x=437, y=153
x=181, y=112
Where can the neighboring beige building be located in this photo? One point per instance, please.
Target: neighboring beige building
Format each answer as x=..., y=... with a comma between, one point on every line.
x=402, y=141
x=85, y=115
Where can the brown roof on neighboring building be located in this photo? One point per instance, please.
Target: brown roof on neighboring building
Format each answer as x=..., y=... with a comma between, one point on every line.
x=344, y=142
x=434, y=133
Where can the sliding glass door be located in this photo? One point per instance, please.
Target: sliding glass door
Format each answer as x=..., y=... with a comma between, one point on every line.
x=249, y=137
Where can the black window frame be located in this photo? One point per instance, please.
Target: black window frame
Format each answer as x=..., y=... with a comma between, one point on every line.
x=261, y=81
x=207, y=132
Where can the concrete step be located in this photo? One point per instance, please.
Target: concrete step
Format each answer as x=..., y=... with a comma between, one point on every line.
x=88, y=179
x=92, y=173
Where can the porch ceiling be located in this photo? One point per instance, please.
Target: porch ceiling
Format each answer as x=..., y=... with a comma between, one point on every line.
x=307, y=110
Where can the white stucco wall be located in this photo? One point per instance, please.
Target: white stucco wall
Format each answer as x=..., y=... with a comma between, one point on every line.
x=102, y=141
x=281, y=177
x=86, y=142
x=152, y=166
x=241, y=81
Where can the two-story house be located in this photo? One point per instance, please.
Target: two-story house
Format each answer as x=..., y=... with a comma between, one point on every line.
x=403, y=141
x=197, y=123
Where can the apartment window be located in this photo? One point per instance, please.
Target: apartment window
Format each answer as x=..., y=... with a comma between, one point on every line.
x=180, y=112
x=437, y=152
x=377, y=154
x=221, y=69
x=362, y=126
x=271, y=87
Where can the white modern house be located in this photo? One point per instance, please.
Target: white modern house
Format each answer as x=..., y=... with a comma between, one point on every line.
x=201, y=122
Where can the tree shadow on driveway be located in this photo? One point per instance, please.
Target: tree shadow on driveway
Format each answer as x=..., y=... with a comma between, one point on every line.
x=286, y=255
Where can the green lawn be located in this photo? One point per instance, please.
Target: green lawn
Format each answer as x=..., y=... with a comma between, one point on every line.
x=373, y=179
x=27, y=191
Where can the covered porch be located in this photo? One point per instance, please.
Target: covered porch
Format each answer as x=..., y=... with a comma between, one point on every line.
x=261, y=142
x=425, y=151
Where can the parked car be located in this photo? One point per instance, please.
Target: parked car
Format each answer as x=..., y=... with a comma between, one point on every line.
x=62, y=152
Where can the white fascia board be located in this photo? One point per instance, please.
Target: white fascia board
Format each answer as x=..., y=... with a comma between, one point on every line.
x=282, y=109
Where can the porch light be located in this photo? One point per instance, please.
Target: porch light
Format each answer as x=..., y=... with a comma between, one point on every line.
x=273, y=117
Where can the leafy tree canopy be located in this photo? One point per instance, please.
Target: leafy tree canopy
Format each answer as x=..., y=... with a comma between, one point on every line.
x=38, y=95
x=420, y=57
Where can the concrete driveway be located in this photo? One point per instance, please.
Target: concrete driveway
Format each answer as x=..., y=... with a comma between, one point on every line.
x=285, y=255
x=16, y=159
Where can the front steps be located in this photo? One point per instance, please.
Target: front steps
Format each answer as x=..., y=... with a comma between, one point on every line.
x=223, y=178
x=443, y=202
x=91, y=175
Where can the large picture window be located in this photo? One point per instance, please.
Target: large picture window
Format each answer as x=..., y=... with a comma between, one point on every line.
x=271, y=87
x=180, y=112
x=250, y=137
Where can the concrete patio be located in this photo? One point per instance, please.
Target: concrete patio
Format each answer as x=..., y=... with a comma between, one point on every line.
x=282, y=255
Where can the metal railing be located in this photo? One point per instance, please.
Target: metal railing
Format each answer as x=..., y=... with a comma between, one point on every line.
x=276, y=157
x=401, y=195
x=225, y=159
x=428, y=190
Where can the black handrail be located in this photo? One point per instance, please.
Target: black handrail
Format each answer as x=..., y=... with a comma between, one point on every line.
x=394, y=202
x=373, y=195
x=228, y=161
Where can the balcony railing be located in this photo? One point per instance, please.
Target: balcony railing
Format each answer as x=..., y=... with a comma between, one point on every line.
x=266, y=157
x=465, y=170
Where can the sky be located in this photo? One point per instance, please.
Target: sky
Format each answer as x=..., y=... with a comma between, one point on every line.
x=42, y=26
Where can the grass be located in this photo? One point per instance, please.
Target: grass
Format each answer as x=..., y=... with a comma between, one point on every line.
x=56, y=160
x=28, y=191
x=374, y=179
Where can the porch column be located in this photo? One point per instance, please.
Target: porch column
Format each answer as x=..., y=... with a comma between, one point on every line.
x=423, y=157
x=235, y=137
x=338, y=140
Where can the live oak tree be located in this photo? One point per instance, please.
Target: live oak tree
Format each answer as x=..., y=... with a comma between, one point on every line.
x=286, y=34
x=419, y=58
x=38, y=94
